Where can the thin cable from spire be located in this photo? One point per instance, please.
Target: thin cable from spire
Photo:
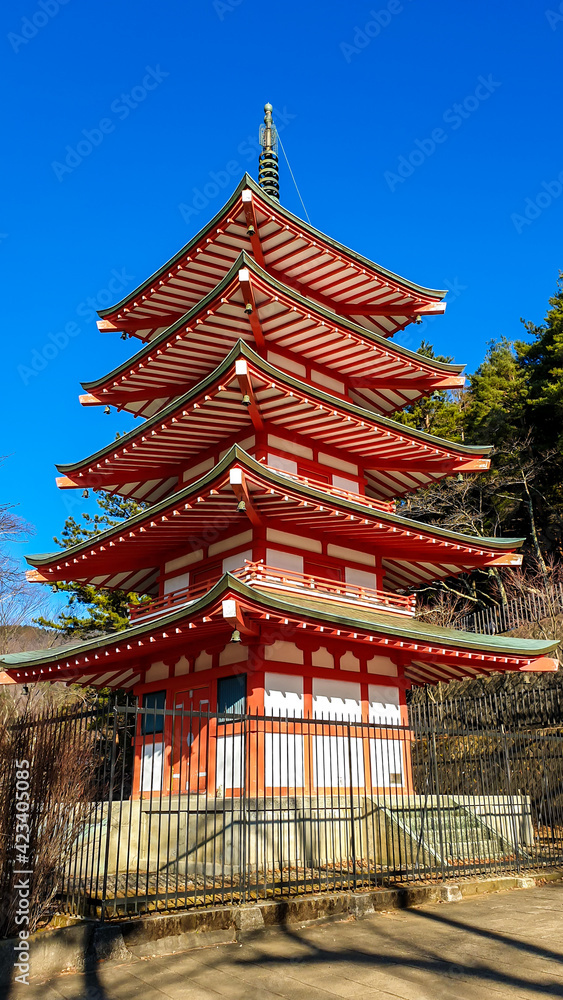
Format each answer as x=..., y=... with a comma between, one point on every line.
x=294, y=181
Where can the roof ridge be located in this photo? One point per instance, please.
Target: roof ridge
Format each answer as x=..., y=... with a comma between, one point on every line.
x=248, y=182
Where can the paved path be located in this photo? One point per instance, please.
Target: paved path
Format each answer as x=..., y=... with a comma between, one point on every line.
x=509, y=944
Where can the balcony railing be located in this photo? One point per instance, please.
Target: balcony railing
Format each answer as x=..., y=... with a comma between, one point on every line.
x=257, y=574
x=172, y=600
x=388, y=506
x=263, y=577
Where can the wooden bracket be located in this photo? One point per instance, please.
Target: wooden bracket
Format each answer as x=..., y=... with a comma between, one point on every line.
x=245, y=383
x=233, y=614
x=252, y=227
x=250, y=307
x=238, y=482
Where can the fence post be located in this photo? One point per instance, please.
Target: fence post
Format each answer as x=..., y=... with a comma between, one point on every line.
x=110, y=804
x=352, y=817
x=515, y=832
x=243, y=812
x=438, y=803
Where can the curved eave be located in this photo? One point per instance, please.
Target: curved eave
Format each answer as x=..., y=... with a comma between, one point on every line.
x=212, y=224
x=277, y=209
x=354, y=620
x=332, y=319
x=243, y=350
x=284, y=483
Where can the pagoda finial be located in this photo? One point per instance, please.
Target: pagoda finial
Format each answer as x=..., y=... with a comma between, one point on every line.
x=268, y=172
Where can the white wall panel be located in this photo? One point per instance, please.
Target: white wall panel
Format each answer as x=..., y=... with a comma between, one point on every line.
x=230, y=762
x=334, y=699
x=331, y=762
x=284, y=759
x=283, y=694
x=283, y=652
x=387, y=763
x=233, y=562
x=341, y=483
x=384, y=704
x=284, y=560
x=283, y=464
x=177, y=583
x=152, y=760
x=360, y=578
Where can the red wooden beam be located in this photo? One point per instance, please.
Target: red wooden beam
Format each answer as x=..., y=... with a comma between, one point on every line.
x=244, y=380
x=250, y=307
x=397, y=309
x=426, y=383
x=252, y=229
x=239, y=485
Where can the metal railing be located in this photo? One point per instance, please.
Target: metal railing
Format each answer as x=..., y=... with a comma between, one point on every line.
x=197, y=808
x=257, y=574
x=528, y=607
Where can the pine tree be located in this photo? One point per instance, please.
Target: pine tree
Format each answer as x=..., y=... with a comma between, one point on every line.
x=542, y=365
x=93, y=611
x=496, y=398
x=441, y=413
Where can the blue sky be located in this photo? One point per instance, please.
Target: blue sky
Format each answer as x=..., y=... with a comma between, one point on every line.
x=120, y=113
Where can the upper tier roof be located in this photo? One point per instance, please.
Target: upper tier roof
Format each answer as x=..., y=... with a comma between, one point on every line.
x=290, y=249
x=128, y=555
x=429, y=652
x=145, y=463
x=307, y=338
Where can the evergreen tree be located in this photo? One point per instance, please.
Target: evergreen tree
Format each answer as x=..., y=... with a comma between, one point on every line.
x=93, y=611
x=542, y=365
x=496, y=398
x=441, y=413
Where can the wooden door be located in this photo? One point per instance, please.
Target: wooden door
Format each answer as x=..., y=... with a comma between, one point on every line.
x=190, y=739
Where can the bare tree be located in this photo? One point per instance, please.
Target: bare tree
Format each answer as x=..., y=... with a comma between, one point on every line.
x=20, y=603
x=52, y=754
x=446, y=610
x=19, y=600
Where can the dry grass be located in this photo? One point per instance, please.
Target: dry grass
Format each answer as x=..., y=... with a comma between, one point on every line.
x=60, y=752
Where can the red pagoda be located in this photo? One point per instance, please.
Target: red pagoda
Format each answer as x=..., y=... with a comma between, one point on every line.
x=276, y=561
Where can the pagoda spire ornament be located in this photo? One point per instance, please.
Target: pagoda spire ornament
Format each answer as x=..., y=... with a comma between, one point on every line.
x=268, y=168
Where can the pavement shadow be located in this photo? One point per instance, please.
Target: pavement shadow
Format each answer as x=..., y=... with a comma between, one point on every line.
x=91, y=988
x=392, y=954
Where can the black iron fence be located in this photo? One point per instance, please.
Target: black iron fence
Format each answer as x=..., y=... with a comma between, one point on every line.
x=196, y=808
x=528, y=607
x=192, y=808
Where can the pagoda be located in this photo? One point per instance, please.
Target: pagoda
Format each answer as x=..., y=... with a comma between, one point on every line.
x=268, y=464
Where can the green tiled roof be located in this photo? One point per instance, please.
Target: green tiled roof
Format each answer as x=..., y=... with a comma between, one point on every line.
x=249, y=182
x=238, y=454
x=344, y=616
x=244, y=260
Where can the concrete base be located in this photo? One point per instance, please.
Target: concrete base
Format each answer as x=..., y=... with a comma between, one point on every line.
x=187, y=835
